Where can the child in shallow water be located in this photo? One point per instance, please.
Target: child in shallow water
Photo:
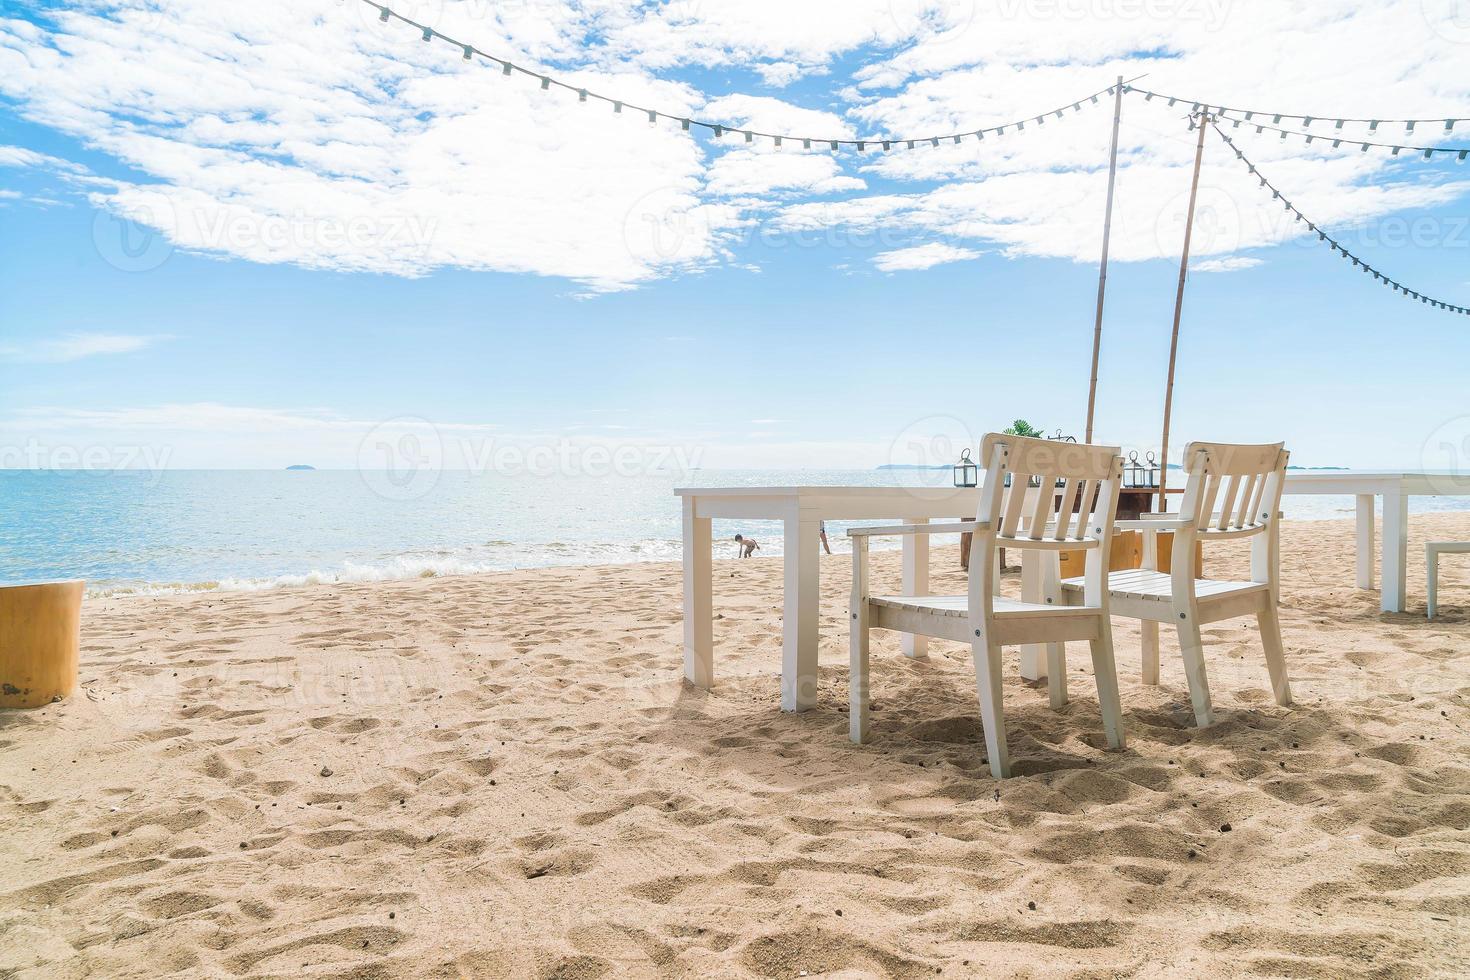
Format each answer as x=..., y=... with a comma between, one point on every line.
x=747, y=545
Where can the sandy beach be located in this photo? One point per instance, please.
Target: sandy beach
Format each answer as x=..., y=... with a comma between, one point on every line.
x=504, y=775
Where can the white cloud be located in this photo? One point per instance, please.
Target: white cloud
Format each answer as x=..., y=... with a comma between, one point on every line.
x=1230, y=264
x=779, y=74
x=278, y=134
x=284, y=133
x=922, y=257
x=745, y=173
x=74, y=347
x=19, y=156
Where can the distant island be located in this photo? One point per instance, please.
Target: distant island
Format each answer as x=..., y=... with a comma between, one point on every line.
x=300, y=466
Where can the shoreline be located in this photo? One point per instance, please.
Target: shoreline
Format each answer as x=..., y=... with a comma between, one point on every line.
x=413, y=569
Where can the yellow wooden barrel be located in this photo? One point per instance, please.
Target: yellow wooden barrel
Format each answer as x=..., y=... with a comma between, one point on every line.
x=40, y=635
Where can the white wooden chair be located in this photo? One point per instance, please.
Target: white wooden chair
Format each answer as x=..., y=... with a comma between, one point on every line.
x=1012, y=514
x=1232, y=492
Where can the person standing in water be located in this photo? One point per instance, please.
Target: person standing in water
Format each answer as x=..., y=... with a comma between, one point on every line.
x=748, y=546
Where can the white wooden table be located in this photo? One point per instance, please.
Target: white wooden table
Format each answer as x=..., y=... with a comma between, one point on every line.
x=801, y=509
x=1395, y=488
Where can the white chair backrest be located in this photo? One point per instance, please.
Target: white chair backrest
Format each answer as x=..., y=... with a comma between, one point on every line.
x=1233, y=491
x=1076, y=500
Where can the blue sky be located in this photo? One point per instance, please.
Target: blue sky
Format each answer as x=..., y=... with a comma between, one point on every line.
x=796, y=324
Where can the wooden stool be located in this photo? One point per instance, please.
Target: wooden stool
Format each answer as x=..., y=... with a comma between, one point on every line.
x=40, y=633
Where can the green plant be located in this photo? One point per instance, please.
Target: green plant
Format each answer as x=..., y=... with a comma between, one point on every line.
x=1021, y=427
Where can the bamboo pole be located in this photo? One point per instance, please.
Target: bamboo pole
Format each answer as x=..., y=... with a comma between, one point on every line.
x=1199, y=153
x=1102, y=275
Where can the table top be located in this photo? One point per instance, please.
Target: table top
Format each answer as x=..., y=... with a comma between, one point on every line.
x=821, y=491
x=1422, y=482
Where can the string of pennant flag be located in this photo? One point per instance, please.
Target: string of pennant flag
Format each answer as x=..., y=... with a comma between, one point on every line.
x=687, y=123
x=1331, y=242
x=1338, y=122
x=656, y=116
x=1426, y=152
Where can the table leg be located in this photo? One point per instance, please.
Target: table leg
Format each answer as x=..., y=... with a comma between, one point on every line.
x=915, y=582
x=1395, y=550
x=699, y=637
x=799, y=627
x=1365, y=540
x=1033, y=589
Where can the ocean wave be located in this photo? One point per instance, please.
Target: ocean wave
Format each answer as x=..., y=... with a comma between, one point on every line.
x=478, y=559
x=400, y=568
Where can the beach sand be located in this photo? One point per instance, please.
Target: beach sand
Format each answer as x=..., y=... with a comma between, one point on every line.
x=503, y=775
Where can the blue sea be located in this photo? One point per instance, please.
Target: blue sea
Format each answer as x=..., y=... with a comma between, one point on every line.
x=193, y=530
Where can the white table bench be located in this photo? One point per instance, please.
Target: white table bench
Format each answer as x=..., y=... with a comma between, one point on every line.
x=1395, y=489
x=1432, y=551
x=801, y=509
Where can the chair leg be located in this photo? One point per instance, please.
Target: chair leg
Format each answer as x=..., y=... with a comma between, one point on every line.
x=1106, y=671
x=1056, y=674
x=1270, y=627
x=992, y=712
x=1056, y=656
x=1150, y=631
x=857, y=676
x=1431, y=582
x=1192, y=646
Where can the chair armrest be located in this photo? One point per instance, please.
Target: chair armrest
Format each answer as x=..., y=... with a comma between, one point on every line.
x=891, y=530
x=1148, y=524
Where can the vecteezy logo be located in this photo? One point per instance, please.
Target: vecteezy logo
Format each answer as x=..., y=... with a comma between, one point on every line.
x=666, y=226
x=401, y=459
x=1445, y=455
x=129, y=245
x=1450, y=19
x=1216, y=224
x=931, y=443
x=935, y=21
x=683, y=11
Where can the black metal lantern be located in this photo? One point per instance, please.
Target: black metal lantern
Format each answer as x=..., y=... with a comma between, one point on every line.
x=966, y=474
x=1141, y=474
x=1133, y=471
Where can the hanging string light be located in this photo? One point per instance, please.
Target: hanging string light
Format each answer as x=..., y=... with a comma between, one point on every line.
x=1458, y=154
x=1235, y=116
x=1328, y=240
x=1249, y=115
x=547, y=82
